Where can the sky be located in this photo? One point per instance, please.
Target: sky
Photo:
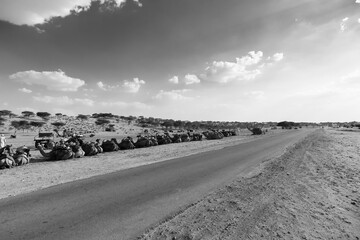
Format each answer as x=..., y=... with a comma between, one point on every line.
x=228, y=60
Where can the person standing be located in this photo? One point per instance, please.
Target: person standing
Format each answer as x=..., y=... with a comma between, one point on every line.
x=2, y=141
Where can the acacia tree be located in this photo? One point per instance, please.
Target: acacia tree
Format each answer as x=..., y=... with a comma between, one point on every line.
x=102, y=115
x=102, y=122
x=22, y=124
x=27, y=114
x=58, y=115
x=6, y=113
x=82, y=117
x=58, y=124
x=36, y=124
x=2, y=120
x=178, y=124
x=168, y=124
x=43, y=115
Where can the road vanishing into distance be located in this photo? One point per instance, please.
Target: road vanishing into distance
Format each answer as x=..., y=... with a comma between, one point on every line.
x=122, y=205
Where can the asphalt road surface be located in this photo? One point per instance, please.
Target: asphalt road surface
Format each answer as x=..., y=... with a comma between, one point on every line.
x=124, y=204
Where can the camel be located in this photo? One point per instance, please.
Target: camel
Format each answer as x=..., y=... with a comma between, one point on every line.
x=256, y=130
x=196, y=137
x=78, y=151
x=210, y=135
x=175, y=139
x=75, y=140
x=6, y=157
x=225, y=133
x=110, y=145
x=185, y=137
x=61, y=152
x=143, y=142
x=154, y=141
x=98, y=146
x=163, y=139
x=22, y=156
x=90, y=149
x=126, y=143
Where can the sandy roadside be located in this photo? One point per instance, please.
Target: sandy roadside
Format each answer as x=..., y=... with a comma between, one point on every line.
x=310, y=192
x=38, y=175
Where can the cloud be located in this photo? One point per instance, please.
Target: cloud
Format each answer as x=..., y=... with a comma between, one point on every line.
x=63, y=100
x=343, y=24
x=278, y=57
x=172, y=95
x=174, y=80
x=127, y=85
x=106, y=87
x=223, y=71
x=56, y=80
x=351, y=77
x=38, y=11
x=133, y=86
x=191, y=79
x=25, y=90
x=243, y=69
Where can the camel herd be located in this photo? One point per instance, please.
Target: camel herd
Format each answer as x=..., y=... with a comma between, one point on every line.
x=10, y=157
x=76, y=147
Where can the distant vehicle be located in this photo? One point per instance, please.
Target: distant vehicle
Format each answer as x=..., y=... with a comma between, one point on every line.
x=46, y=139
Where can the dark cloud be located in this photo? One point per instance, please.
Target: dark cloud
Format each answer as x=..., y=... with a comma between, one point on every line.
x=131, y=41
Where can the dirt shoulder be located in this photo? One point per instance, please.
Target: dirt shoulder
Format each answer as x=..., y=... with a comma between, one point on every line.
x=40, y=174
x=310, y=192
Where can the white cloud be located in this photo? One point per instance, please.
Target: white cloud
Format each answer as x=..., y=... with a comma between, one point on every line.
x=174, y=80
x=243, y=69
x=172, y=95
x=56, y=80
x=351, y=77
x=278, y=57
x=127, y=85
x=38, y=11
x=343, y=24
x=223, y=71
x=191, y=79
x=25, y=90
x=106, y=87
x=64, y=100
x=357, y=1
x=133, y=86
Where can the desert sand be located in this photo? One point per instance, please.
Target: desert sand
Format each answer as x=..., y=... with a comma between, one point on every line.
x=309, y=192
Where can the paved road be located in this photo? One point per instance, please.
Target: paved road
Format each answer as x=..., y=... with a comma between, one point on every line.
x=122, y=205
